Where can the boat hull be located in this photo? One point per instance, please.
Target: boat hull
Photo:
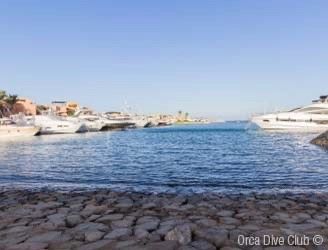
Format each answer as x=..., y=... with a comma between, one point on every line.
x=117, y=125
x=141, y=123
x=293, y=126
x=94, y=126
x=18, y=132
x=71, y=129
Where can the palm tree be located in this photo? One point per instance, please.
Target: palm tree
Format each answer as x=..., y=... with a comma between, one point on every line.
x=11, y=100
x=3, y=95
x=7, y=102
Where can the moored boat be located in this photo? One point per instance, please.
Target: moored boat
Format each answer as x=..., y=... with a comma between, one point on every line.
x=141, y=121
x=310, y=118
x=10, y=129
x=117, y=121
x=92, y=122
x=51, y=124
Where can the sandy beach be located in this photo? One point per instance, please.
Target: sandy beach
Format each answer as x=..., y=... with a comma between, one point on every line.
x=105, y=219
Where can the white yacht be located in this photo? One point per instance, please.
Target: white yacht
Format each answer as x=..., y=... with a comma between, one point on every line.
x=51, y=124
x=141, y=121
x=117, y=120
x=9, y=129
x=310, y=118
x=92, y=122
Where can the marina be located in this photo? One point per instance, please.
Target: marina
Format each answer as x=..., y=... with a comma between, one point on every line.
x=163, y=125
x=162, y=153
x=62, y=117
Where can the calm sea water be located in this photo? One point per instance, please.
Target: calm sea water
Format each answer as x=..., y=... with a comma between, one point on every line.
x=229, y=157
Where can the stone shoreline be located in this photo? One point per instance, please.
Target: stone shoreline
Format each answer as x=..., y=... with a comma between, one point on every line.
x=104, y=219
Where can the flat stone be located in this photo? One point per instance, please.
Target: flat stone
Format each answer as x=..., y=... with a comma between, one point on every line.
x=73, y=220
x=109, y=218
x=172, y=222
x=163, y=230
x=154, y=237
x=29, y=246
x=181, y=233
x=214, y=235
x=47, y=205
x=71, y=244
x=284, y=217
x=18, y=229
x=47, y=237
x=141, y=233
x=125, y=244
x=122, y=223
x=249, y=227
x=229, y=221
x=148, y=226
x=58, y=220
x=203, y=245
x=207, y=223
x=301, y=217
x=118, y=233
x=20, y=222
x=47, y=226
x=164, y=245
x=13, y=239
x=76, y=207
x=187, y=248
x=274, y=232
x=124, y=203
x=92, y=209
x=93, y=217
x=150, y=205
x=146, y=219
x=300, y=227
x=317, y=223
x=91, y=236
x=321, y=217
x=98, y=245
x=91, y=226
x=225, y=213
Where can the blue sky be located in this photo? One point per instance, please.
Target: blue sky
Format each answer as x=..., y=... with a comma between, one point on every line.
x=224, y=59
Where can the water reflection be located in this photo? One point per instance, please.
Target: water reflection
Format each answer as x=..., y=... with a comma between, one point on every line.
x=223, y=157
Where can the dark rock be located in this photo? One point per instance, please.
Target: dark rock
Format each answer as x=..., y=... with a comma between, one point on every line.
x=321, y=140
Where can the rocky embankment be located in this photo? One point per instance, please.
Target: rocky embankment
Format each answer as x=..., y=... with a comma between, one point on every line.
x=112, y=220
x=321, y=140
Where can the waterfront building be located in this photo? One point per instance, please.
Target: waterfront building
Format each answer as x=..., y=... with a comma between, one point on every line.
x=63, y=108
x=25, y=106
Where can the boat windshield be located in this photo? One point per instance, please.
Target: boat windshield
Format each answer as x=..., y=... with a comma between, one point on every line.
x=294, y=110
x=311, y=110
